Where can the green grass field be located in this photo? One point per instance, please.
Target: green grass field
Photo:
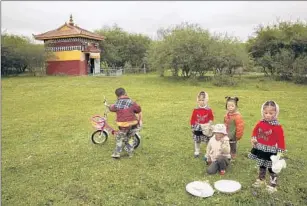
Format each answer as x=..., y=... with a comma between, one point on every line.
x=48, y=158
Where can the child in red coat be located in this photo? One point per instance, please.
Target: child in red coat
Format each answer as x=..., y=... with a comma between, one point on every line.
x=267, y=139
x=202, y=116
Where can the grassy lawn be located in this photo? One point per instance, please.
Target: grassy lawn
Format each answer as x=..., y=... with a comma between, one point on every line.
x=48, y=159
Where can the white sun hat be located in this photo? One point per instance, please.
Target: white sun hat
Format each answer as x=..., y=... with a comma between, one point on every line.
x=200, y=189
x=227, y=186
x=219, y=128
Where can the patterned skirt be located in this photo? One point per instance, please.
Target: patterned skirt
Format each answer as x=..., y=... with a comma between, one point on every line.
x=199, y=137
x=262, y=157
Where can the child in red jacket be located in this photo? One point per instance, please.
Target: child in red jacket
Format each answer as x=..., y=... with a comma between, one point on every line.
x=267, y=139
x=202, y=116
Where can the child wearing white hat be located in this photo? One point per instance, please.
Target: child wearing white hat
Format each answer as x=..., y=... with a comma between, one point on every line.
x=218, y=151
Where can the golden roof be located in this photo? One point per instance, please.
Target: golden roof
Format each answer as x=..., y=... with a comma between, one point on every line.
x=68, y=30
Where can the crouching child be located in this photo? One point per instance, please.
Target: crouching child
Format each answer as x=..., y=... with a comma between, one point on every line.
x=218, y=151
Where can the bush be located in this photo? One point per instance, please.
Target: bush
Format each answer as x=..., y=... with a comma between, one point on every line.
x=300, y=68
x=224, y=80
x=300, y=79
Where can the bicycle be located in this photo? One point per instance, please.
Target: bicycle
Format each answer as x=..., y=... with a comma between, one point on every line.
x=100, y=136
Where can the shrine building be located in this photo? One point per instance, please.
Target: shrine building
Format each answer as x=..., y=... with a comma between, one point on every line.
x=74, y=51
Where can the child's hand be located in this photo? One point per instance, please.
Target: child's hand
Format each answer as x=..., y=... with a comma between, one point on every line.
x=209, y=162
x=254, y=142
x=280, y=154
x=205, y=158
x=140, y=123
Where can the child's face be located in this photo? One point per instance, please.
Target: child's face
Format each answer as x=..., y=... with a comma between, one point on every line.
x=201, y=102
x=231, y=106
x=269, y=113
x=219, y=136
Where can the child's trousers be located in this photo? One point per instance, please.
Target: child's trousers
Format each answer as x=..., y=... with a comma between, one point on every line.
x=233, y=148
x=124, y=136
x=198, y=140
x=273, y=176
x=220, y=164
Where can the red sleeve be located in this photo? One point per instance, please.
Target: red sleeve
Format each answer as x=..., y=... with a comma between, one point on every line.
x=255, y=130
x=112, y=108
x=193, y=117
x=210, y=115
x=239, y=126
x=280, y=138
x=136, y=108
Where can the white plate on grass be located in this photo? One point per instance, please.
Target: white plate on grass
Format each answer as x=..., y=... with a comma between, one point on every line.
x=227, y=186
x=199, y=189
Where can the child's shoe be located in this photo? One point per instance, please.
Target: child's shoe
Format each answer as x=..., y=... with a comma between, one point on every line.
x=271, y=189
x=273, y=180
x=196, y=155
x=222, y=172
x=116, y=155
x=259, y=183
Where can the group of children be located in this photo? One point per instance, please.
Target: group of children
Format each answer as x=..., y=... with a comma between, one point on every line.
x=221, y=139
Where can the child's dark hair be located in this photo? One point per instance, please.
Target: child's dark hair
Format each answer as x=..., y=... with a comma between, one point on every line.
x=120, y=92
x=269, y=103
x=234, y=99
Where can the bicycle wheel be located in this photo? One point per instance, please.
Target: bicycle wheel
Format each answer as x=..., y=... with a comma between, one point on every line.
x=99, y=137
x=137, y=141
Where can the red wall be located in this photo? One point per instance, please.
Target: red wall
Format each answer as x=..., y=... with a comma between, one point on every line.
x=74, y=67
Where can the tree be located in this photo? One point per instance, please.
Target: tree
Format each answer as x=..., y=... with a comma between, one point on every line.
x=300, y=69
x=120, y=46
x=190, y=51
x=280, y=48
x=20, y=54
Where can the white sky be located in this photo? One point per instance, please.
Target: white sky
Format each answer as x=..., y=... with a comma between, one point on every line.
x=238, y=18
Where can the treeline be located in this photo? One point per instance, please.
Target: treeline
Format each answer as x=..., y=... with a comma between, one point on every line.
x=121, y=48
x=187, y=50
x=281, y=50
x=19, y=54
x=190, y=51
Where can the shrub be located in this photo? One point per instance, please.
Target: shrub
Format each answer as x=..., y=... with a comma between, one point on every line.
x=224, y=80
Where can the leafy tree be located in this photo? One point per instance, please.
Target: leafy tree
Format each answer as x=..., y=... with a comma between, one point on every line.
x=190, y=51
x=120, y=46
x=300, y=69
x=280, y=49
x=20, y=54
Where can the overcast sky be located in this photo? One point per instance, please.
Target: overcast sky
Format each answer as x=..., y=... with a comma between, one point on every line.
x=236, y=18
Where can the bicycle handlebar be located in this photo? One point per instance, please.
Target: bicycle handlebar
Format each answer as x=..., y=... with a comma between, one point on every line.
x=106, y=106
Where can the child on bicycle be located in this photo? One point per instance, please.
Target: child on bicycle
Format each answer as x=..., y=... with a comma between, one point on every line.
x=128, y=118
x=201, y=122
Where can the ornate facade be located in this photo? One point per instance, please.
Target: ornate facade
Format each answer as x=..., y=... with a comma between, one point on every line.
x=74, y=51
